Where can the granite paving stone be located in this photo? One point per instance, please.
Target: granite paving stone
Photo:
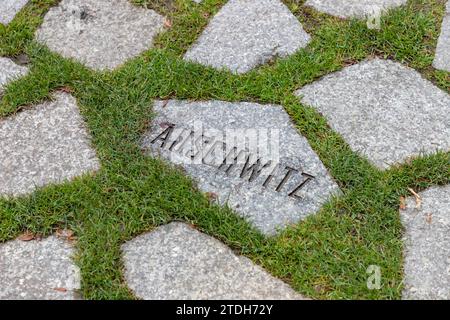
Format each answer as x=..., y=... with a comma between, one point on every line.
x=176, y=261
x=442, y=58
x=248, y=33
x=427, y=245
x=9, y=9
x=102, y=34
x=42, y=145
x=38, y=269
x=9, y=71
x=276, y=180
x=353, y=8
x=384, y=110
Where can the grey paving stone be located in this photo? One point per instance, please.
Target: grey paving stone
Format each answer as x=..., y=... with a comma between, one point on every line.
x=38, y=269
x=9, y=9
x=9, y=71
x=353, y=8
x=383, y=110
x=176, y=261
x=427, y=245
x=45, y=144
x=252, y=191
x=103, y=34
x=442, y=58
x=248, y=33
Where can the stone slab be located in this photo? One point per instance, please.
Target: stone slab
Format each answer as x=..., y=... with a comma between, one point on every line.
x=45, y=144
x=427, y=245
x=384, y=110
x=177, y=262
x=9, y=71
x=102, y=34
x=9, y=9
x=248, y=33
x=266, y=193
x=442, y=58
x=38, y=270
x=353, y=8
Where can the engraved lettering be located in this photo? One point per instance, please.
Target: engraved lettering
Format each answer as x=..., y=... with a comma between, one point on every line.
x=164, y=136
x=301, y=185
x=286, y=178
x=255, y=169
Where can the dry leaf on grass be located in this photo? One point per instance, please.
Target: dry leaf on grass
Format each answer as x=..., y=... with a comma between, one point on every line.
x=417, y=197
x=167, y=23
x=66, y=89
x=65, y=234
x=26, y=236
x=402, y=203
x=211, y=196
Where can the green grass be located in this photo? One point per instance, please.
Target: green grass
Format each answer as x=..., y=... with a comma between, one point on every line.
x=325, y=256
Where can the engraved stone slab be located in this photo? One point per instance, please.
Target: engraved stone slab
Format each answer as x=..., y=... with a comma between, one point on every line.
x=9, y=9
x=9, y=71
x=248, y=33
x=427, y=245
x=103, y=34
x=38, y=269
x=248, y=156
x=42, y=145
x=384, y=110
x=442, y=58
x=177, y=262
x=353, y=8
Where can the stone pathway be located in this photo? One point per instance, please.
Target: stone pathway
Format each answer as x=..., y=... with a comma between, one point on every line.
x=176, y=261
x=45, y=144
x=38, y=269
x=102, y=34
x=9, y=71
x=9, y=9
x=276, y=180
x=248, y=33
x=353, y=8
x=383, y=110
x=427, y=245
x=442, y=59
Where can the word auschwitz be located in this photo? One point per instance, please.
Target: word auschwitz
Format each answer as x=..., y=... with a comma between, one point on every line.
x=250, y=171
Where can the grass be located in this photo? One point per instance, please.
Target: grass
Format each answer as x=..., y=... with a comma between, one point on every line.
x=325, y=256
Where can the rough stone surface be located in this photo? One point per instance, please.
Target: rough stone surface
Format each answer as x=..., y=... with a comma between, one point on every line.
x=45, y=144
x=442, y=58
x=9, y=71
x=353, y=8
x=9, y=9
x=266, y=208
x=38, y=269
x=427, y=245
x=248, y=33
x=176, y=261
x=103, y=34
x=383, y=110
